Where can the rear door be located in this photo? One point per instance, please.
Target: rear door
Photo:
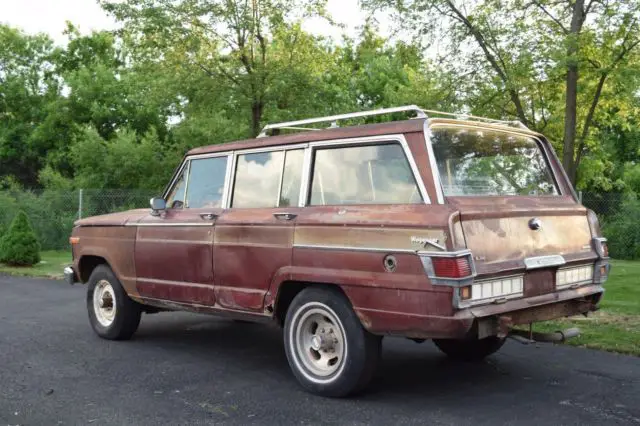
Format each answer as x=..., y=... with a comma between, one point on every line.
x=254, y=237
x=515, y=212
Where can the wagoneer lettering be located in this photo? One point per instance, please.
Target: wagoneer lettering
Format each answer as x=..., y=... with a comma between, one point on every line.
x=436, y=227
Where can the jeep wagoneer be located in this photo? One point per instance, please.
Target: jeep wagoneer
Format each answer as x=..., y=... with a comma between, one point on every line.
x=451, y=229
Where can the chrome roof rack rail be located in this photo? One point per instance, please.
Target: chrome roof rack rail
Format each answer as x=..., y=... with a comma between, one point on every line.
x=420, y=113
x=334, y=119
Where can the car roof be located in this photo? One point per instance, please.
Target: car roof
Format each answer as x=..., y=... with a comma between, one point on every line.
x=388, y=128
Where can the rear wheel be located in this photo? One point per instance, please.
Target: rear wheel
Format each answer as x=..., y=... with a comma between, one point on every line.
x=328, y=350
x=469, y=350
x=113, y=315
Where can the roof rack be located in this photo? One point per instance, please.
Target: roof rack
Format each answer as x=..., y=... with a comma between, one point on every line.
x=420, y=113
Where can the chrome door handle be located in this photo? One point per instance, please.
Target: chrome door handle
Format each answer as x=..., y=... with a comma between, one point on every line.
x=208, y=216
x=285, y=216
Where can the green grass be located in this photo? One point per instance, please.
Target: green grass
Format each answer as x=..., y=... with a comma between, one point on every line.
x=616, y=327
x=51, y=265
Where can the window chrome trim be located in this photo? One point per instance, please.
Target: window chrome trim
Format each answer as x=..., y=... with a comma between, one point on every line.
x=271, y=148
x=374, y=140
x=172, y=183
x=279, y=194
x=435, y=173
x=185, y=202
x=226, y=192
x=305, y=178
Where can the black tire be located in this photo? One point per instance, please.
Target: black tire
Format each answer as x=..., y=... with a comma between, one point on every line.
x=126, y=316
x=360, y=353
x=469, y=349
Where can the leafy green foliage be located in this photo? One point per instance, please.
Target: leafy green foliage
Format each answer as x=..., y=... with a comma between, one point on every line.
x=622, y=230
x=19, y=246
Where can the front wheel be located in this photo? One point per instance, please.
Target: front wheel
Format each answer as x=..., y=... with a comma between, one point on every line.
x=469, y=350
x=113, y=315
x=328, y=350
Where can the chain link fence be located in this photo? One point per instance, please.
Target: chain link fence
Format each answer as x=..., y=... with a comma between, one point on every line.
x=52, y=214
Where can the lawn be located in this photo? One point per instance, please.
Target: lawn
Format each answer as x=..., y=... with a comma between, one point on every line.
x=616, y=327
x=51, y=265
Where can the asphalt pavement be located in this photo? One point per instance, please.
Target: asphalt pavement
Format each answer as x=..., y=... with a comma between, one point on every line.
x=185, y=368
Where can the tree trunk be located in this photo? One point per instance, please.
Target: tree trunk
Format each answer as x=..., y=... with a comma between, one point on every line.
x=257, y=108
x=571, y=103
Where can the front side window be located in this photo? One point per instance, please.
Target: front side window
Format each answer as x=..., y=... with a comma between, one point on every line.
x=489, y=162
x=175, y=198
x=370, y=174
x=206, y=182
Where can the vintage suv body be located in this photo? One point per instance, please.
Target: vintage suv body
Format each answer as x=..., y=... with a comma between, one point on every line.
x=428, y=228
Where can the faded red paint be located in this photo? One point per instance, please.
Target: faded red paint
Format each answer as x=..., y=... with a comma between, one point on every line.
x=238, y=262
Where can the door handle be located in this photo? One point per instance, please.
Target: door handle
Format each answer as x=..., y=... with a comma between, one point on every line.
x=285, y=216
x=208, y=216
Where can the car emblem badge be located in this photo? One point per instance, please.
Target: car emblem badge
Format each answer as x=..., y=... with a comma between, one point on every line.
x=535, y=224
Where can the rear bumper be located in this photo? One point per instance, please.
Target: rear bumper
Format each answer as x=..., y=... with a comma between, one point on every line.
x=487, y=320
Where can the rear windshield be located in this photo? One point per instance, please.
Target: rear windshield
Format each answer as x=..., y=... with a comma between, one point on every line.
x=488, y=162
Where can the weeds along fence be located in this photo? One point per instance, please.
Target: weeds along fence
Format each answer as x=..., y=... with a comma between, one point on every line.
x=52, y=213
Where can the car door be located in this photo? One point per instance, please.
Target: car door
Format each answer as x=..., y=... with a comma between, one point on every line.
x=254, y=237
x=174, y=250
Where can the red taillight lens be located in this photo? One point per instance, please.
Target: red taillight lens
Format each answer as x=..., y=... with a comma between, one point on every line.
x=451, y=267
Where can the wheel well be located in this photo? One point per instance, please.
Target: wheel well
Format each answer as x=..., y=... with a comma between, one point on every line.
x=288, y=290
x=87, y=264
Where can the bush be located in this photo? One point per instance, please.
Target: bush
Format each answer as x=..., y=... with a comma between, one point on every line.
x=623, y=231
x=19, y=246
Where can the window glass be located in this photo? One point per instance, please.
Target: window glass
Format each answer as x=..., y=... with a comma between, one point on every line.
x=292, y=178
x=373, y=174
x=488, y=162
x=206, y=182
x=175, y=199
x=257, y=179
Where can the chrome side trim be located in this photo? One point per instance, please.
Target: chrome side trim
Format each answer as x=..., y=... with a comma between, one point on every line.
x=230, y=177
x=437, y=183
x=397, y=138
x=353, y=248
x=171, y=224
x=543, y=261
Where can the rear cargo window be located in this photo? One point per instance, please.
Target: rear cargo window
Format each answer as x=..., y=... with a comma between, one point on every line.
x=487, y=162
x=374, y=174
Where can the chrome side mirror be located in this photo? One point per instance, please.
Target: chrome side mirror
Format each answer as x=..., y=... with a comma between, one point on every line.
x=158, y=205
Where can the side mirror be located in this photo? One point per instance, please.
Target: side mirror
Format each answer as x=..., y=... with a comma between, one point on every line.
x=158, y=205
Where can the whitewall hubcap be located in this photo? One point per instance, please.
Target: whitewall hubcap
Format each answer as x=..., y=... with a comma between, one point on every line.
x=104, y=303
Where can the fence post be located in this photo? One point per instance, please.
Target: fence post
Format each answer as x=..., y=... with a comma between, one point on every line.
x=580, y=196
x=80, y=204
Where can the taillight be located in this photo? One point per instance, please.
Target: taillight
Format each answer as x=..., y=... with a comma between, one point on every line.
x=451, y=267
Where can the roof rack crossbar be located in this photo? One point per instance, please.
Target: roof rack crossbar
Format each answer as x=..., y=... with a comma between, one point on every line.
x=516, y=123
x=335, y=118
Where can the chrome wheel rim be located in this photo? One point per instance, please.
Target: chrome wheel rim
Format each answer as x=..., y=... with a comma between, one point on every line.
x=318, y=342
x=104, y=303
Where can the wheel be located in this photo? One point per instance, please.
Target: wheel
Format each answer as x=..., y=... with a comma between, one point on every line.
x=328, y=350
x=469, y=350
x=113, y=315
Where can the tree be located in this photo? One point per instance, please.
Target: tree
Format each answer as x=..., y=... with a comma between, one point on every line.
x=227, y=41
x=533, y=51
x=19, y=246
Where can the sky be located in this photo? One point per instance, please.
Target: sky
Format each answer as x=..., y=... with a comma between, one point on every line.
x=49, y=16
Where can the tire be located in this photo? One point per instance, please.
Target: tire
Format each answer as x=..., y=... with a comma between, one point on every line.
x=469, y=350
x=328, y=350
x=109, y=323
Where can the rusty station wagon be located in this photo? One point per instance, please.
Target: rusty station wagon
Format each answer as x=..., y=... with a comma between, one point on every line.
x=451, y=229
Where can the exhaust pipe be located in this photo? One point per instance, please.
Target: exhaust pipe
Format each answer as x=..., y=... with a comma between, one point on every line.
x=560, y=336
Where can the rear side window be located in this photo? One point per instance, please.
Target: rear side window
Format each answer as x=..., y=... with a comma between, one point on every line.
x=370, y=174
x=488, y=162
x=206, y=182
x=268, y=179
